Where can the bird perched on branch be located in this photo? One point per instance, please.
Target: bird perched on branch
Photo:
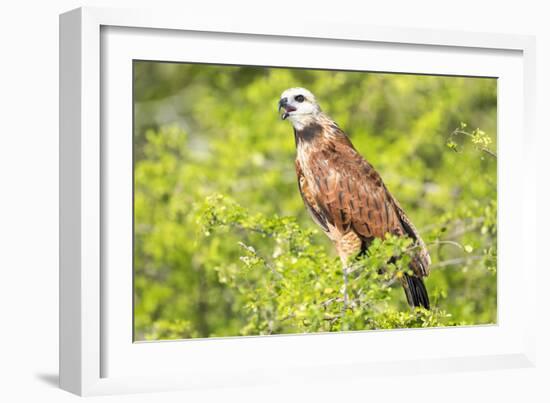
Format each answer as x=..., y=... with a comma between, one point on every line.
x=344, y=194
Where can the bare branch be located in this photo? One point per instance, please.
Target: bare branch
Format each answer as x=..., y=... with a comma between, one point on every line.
x=447, y=242
x=491, y=153
x=472, y=220
x=460, y=260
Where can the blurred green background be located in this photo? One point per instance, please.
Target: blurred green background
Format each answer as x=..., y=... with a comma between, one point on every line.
x=201, y=130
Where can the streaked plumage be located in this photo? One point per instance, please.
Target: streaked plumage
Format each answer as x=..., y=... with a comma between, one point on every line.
x=344, y=194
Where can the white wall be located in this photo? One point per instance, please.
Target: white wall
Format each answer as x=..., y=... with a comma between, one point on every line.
x=29, y=212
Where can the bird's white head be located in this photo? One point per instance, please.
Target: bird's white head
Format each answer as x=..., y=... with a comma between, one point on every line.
x=300, y=107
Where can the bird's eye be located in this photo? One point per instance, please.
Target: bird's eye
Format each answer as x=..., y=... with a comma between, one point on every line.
x=299, y=98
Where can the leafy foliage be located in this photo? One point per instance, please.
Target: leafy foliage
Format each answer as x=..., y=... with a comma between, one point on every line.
x=223, y=244
x=291, y=285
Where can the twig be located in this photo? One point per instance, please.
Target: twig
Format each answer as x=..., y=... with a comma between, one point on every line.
x=472, y=220
x=455, y=261
x=354, y=267
x=330, y=301
x=484, y=149
x=332, y=319
x=390, y=282
x=491, y=153
x=448, y=242
x=252, y=229
x=435, y=243
x=250, y=249
x=345, y=290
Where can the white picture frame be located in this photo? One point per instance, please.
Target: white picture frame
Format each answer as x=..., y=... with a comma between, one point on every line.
x=96, y=354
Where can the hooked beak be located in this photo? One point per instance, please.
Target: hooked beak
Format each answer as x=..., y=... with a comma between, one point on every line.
x=283, y=104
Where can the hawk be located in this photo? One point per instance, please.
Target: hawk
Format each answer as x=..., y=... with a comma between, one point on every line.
x=344, y=194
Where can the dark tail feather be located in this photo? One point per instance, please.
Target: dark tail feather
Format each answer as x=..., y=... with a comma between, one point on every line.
x=415, y=290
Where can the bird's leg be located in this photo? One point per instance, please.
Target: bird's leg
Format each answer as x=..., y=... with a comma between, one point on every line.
x=348, y=246
x=345, y=288
x=345, y=300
